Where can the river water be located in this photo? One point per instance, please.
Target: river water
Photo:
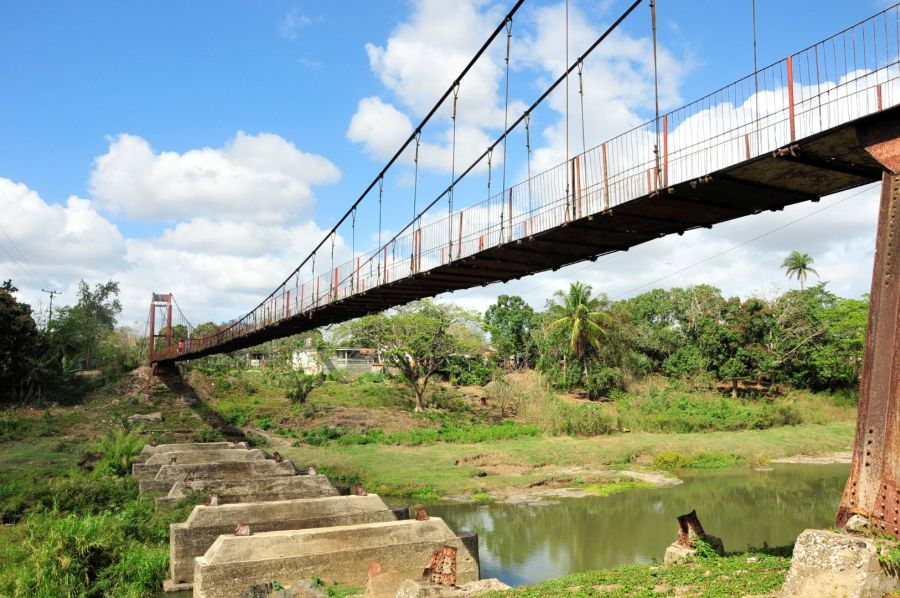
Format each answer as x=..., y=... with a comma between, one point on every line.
x=526, y=543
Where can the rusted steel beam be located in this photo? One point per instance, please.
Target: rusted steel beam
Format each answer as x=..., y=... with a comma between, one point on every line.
x=872, y=489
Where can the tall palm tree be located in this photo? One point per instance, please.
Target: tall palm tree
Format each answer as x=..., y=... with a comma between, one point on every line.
x=798, y=265
x=578, y=315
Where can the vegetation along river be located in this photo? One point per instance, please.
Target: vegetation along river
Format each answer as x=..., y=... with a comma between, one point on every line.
x=530, y=542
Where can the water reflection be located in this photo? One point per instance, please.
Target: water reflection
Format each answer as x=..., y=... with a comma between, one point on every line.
x=526, y=543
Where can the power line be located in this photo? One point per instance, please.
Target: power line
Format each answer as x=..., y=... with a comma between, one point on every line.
x=13, y=243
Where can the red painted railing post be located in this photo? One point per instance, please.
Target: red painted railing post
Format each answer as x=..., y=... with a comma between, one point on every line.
x=605, y=178
x=459, y=242
x=665, y=173
x=878, y=95
x=510, y=215
x=790, y=77
x=384, y=264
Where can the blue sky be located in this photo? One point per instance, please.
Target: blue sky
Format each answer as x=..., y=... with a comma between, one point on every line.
x=187, y=76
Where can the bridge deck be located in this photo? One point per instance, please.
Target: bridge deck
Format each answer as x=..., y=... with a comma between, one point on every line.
x=819, y=165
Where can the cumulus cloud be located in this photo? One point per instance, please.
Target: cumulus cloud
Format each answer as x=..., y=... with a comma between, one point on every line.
x=60, y=241
x=263, y=178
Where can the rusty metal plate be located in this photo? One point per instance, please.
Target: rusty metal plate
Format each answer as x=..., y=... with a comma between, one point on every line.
x=375, y=569
x=242, y=529
x=421, y=514
x=212, y=500
x=358, y=490
x=689, y=528
x=441, y=568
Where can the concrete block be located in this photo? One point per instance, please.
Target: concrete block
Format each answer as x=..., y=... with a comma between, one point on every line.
x=188, y=446
x=343, y=554
x=250, y=490
x=149, y=468
x=193, y=537
x=830, y=565
x=224, y=471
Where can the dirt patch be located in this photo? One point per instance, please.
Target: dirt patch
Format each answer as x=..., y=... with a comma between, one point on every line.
x=829, y=459
x=495, y=464
x=660, y=480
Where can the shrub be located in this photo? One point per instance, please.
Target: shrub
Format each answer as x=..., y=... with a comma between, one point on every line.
x=469, y=371
x=300, y=385
x=601, y=381
x=685, y=362
x=119, y=449
x=14, y=428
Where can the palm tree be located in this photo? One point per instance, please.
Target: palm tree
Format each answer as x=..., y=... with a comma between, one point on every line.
x=798, y=265
x=578, y=314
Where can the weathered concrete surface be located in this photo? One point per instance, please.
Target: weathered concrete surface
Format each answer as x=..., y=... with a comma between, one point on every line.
x=343, y=554
x=188, y=446
x=193, y=537
x=831, y=565
x=149, y=468
x=251, y=490
x=224, y=471
x=413, y=588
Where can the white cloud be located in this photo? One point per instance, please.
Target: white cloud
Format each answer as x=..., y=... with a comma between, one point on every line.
x=263, y=178
x=291, y=23
x=61, y=242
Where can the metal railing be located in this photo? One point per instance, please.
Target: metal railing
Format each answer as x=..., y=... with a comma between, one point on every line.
x=844, y=77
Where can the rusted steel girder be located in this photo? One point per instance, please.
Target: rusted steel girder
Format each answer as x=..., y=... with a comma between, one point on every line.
x=872, y=489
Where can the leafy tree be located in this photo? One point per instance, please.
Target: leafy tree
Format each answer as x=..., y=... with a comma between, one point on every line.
x=417, y=339
x=20, y=346
x=510, y=322
x=734, y=343
x=78, y=330
x=798, y=265
x=577, y=315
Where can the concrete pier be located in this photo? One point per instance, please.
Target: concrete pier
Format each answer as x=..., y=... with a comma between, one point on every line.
x=149, y=468
x=234, y=564
x=149, y=450
x=205, y=524
x=251, y=490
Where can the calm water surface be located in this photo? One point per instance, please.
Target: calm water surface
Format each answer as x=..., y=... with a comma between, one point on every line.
x=521, y=544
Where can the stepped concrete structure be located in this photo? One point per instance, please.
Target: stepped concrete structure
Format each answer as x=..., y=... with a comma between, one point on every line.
x=263, y=521
x=149, y=468
x=236, y=564
x=149, y=450
x=252, y=490
x=205, y=524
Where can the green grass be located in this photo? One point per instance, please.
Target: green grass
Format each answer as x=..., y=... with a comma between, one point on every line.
x=732, y=575
x=468, y=433
x=613, y=487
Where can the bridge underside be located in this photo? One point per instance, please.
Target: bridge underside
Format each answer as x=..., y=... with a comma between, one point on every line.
x=813, y=167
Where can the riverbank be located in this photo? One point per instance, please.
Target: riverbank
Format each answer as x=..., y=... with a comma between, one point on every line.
x=744, y=574
x=499, y=469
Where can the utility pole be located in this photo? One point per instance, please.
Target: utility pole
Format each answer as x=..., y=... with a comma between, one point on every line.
x=51, y=293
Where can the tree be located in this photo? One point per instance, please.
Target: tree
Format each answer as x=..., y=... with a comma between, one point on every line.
x=510, y=322
x=798, y=265
x=577, y=314
x=417, y=339
x=77, y=331
x=20, y=346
